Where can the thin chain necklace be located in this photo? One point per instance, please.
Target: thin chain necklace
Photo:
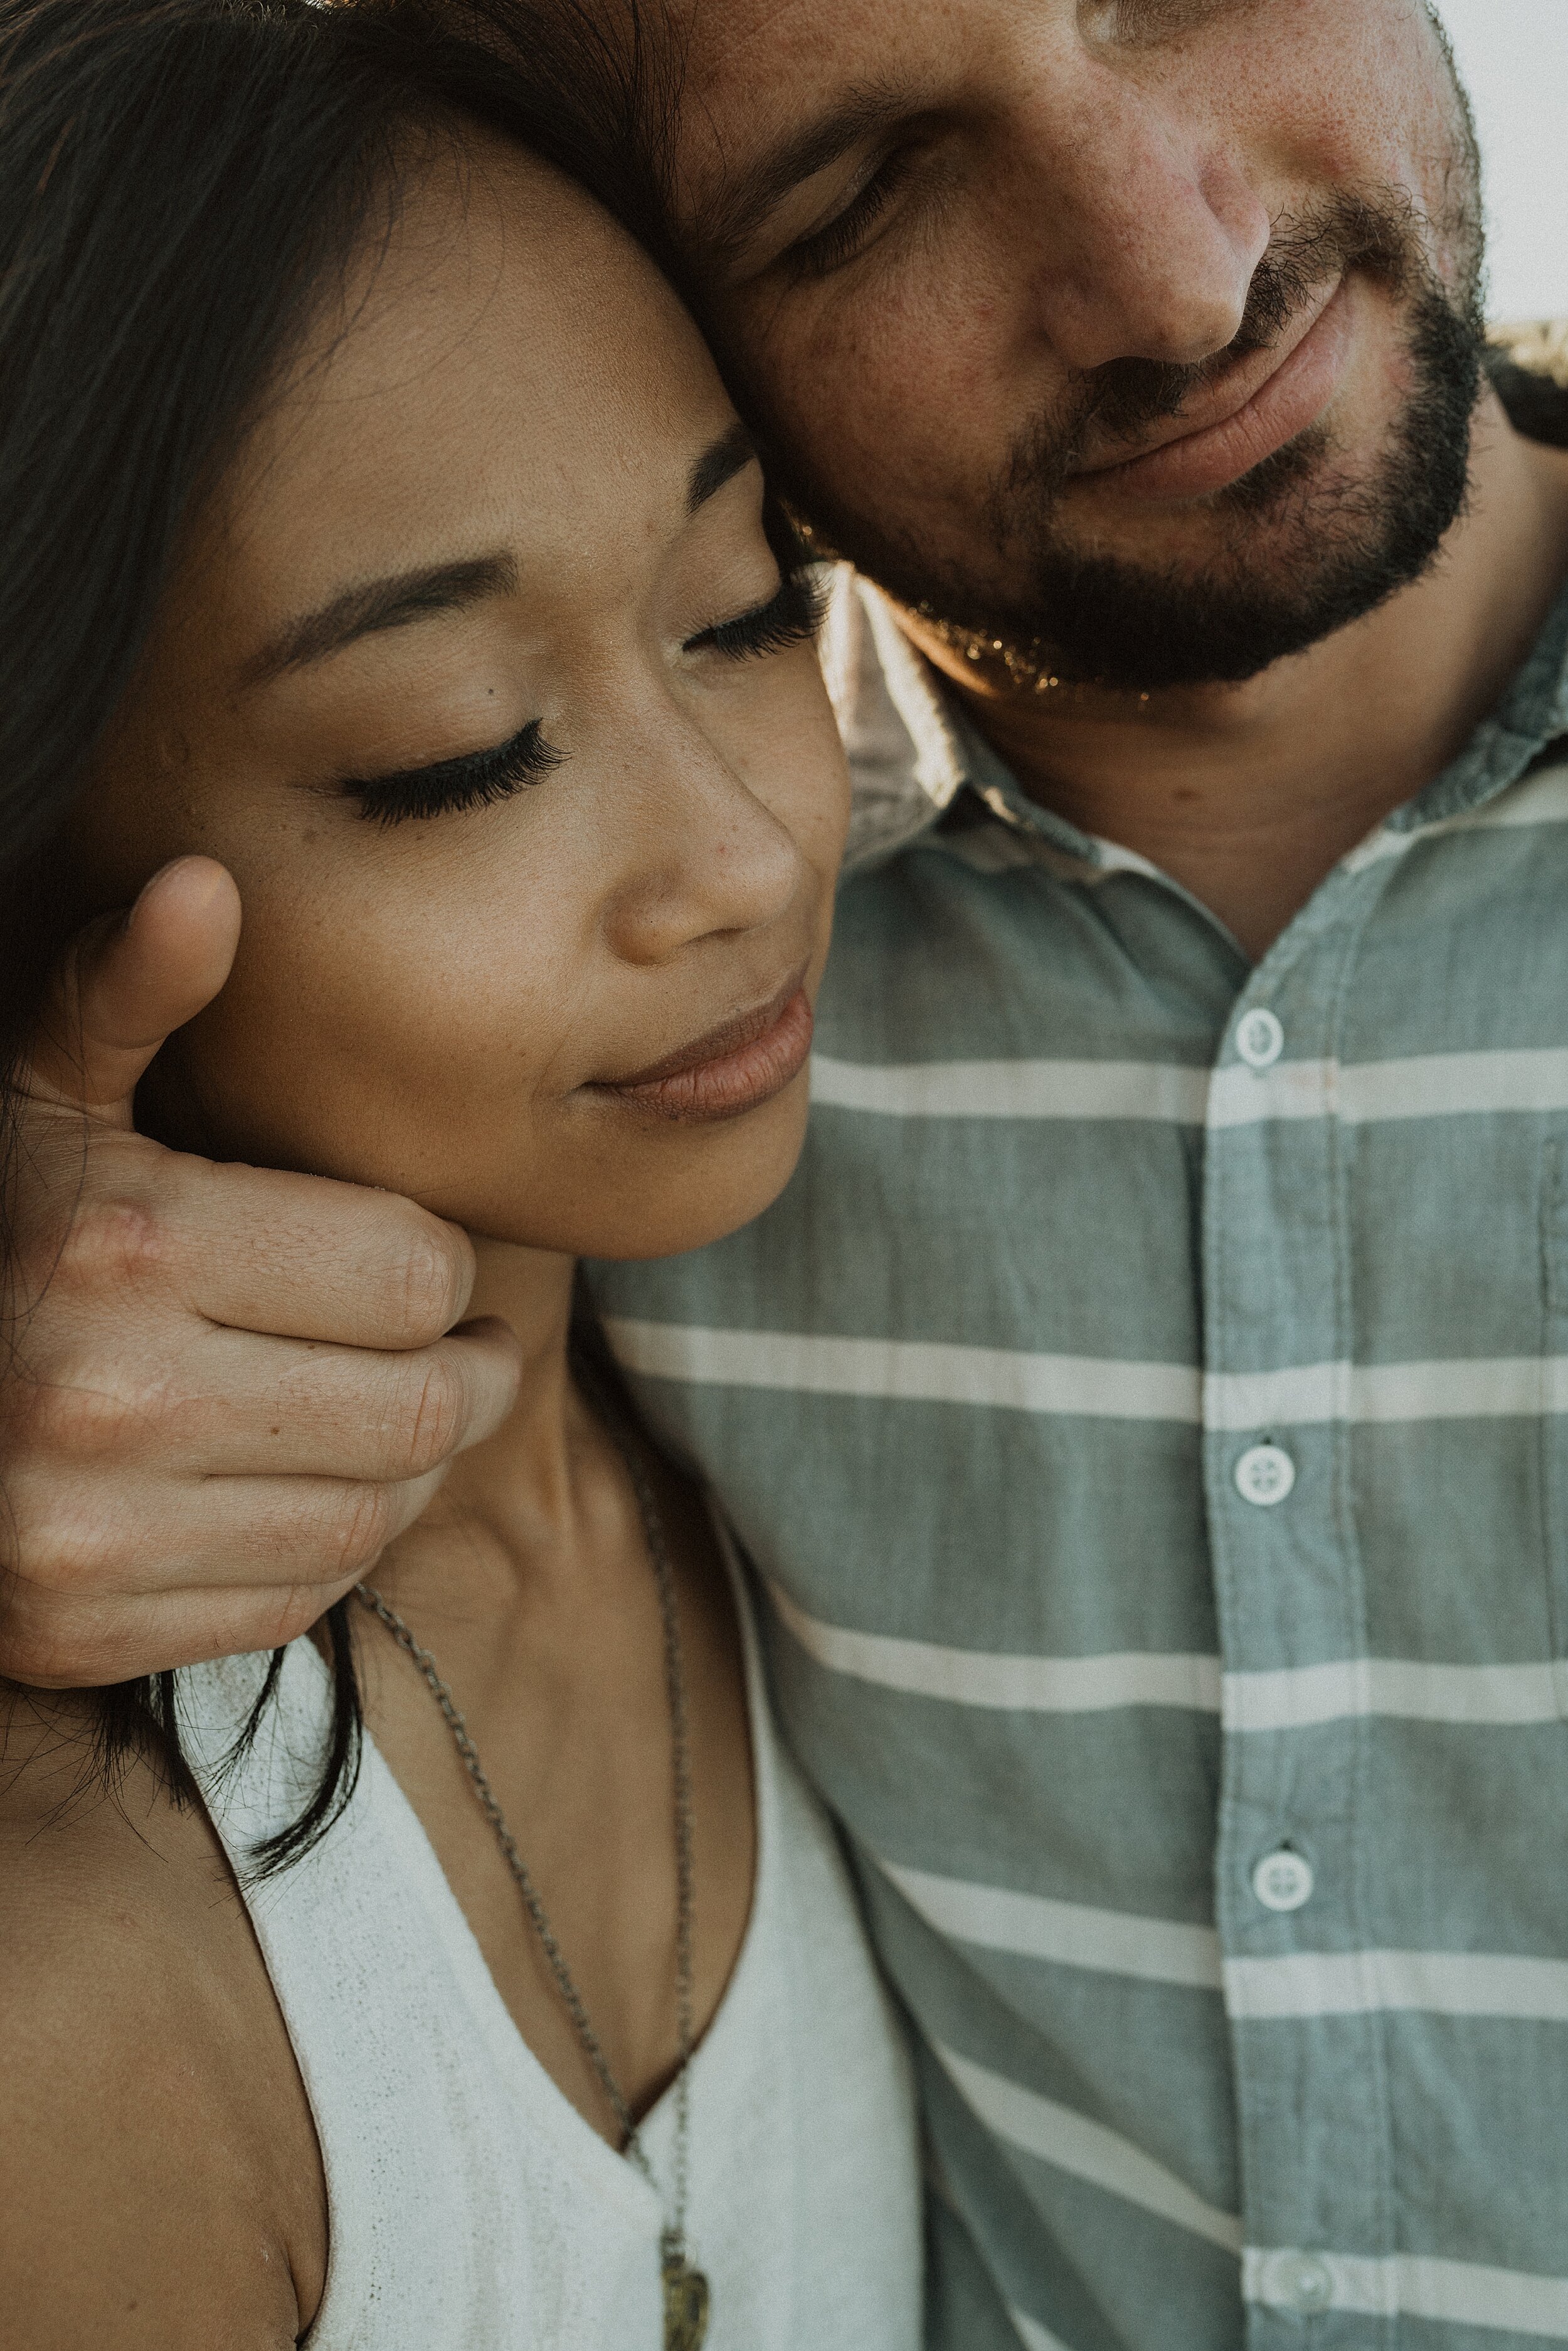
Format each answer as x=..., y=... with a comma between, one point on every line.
x=687, y=2292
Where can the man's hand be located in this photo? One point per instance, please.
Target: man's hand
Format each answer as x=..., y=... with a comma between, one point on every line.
x=222, y=1390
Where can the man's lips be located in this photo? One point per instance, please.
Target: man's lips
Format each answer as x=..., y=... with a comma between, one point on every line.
x=1255, y=411
x=735, y=1066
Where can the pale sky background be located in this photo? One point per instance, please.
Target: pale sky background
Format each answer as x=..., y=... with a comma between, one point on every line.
x=1513, y=54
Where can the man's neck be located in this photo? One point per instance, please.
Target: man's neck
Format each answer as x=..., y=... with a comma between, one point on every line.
x=1249, y=795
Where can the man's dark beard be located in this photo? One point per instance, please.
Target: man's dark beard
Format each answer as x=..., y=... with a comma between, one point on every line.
x=1334, y=549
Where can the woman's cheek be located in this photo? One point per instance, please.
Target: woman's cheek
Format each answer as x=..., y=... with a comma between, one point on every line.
x=375, y=1050
x=806, y=787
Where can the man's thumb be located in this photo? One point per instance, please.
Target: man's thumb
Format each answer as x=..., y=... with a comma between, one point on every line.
x=127, y=981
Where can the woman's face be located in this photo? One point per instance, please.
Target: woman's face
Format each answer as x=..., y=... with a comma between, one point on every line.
x=480, y=680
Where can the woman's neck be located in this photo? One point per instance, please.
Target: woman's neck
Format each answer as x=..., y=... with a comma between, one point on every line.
x=522, y=1485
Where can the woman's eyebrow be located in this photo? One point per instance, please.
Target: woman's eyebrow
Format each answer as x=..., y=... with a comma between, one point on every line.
x=388, y=603
x=408, y=596
x=730, y=455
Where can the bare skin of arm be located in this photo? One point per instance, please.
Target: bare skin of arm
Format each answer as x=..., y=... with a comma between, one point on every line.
x=159, y=2169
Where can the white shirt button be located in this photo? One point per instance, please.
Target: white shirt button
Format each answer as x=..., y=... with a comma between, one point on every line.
x=1260, y=1040
x=1299, y=2282
x=1282, y=1881
x=1265, y=1475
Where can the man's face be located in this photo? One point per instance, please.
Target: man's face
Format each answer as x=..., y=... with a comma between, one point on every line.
x=1140, y=340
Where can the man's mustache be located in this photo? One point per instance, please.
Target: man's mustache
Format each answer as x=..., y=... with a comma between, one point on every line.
x=1122, y=399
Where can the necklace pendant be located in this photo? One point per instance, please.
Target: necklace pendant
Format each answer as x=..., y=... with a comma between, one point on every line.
x=686, y=2301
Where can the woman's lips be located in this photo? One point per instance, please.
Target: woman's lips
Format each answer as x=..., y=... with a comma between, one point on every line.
x=1211, y=457
x=732, y=1069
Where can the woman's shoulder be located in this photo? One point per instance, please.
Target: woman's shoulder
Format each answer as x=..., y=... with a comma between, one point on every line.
x=159, y=2173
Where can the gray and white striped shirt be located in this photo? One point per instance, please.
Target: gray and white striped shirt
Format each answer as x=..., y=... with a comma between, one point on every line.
x=1147, y=1409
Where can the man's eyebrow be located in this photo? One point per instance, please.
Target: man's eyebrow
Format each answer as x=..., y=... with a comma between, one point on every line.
x=389, y=603
x=738, y=206
x=730, y=455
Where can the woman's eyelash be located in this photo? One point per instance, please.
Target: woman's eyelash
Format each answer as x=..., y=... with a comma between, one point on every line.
x=791, y=616
x=829, y=248
x=477, y=781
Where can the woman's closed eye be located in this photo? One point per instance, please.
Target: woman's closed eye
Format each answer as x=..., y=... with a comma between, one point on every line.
x=477, y=781
x=791, y=616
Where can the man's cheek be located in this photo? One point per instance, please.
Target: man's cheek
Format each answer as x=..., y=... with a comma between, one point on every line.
x=1347, y=94
x=882, y=396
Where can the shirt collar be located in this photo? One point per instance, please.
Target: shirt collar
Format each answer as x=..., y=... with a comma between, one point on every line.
x=1532, y=713
x=912, y=748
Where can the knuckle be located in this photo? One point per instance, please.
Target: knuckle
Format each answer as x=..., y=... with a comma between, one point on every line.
x=360, y=1528
x=49, y=1645
x=110, y=1246
x=293, y=1612
x=57, y=1566
x=42, y=1533
x=28, y=1655
x=75, y=1380
x=409, y=1501
x=436, y=1413
x=430, y=1286
x=89, y=1259
x=51, y=1424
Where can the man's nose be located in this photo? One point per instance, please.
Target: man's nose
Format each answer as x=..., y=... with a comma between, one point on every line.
x=1147, y=233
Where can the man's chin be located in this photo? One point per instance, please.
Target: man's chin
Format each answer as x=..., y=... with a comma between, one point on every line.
x=1288, y=562
x=1311, y=540
x=1101, y=621
x=1129, y=633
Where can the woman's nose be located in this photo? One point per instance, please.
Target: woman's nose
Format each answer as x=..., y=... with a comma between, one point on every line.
x=708, y=858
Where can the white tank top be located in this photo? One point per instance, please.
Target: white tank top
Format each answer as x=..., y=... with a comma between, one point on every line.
x=470, y=2206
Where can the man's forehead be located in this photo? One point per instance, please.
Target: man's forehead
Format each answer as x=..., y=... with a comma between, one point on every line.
x=725, y=42
x=750, y=66
x=760, y=78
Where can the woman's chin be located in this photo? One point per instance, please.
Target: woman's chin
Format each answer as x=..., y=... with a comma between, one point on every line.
x=653, y=1188
x=609, y=1179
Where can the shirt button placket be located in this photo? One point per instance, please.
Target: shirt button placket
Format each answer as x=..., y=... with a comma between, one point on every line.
x=1260, y=1039
x=1307, y=2113
x=1283, y=1881
x=1299, y=2282
x=1265, y=1476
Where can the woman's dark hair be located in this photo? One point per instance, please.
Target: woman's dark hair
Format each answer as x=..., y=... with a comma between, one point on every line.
x=179, y=179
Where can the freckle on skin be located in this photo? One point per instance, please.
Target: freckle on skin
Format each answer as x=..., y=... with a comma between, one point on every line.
x=277, y=1432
